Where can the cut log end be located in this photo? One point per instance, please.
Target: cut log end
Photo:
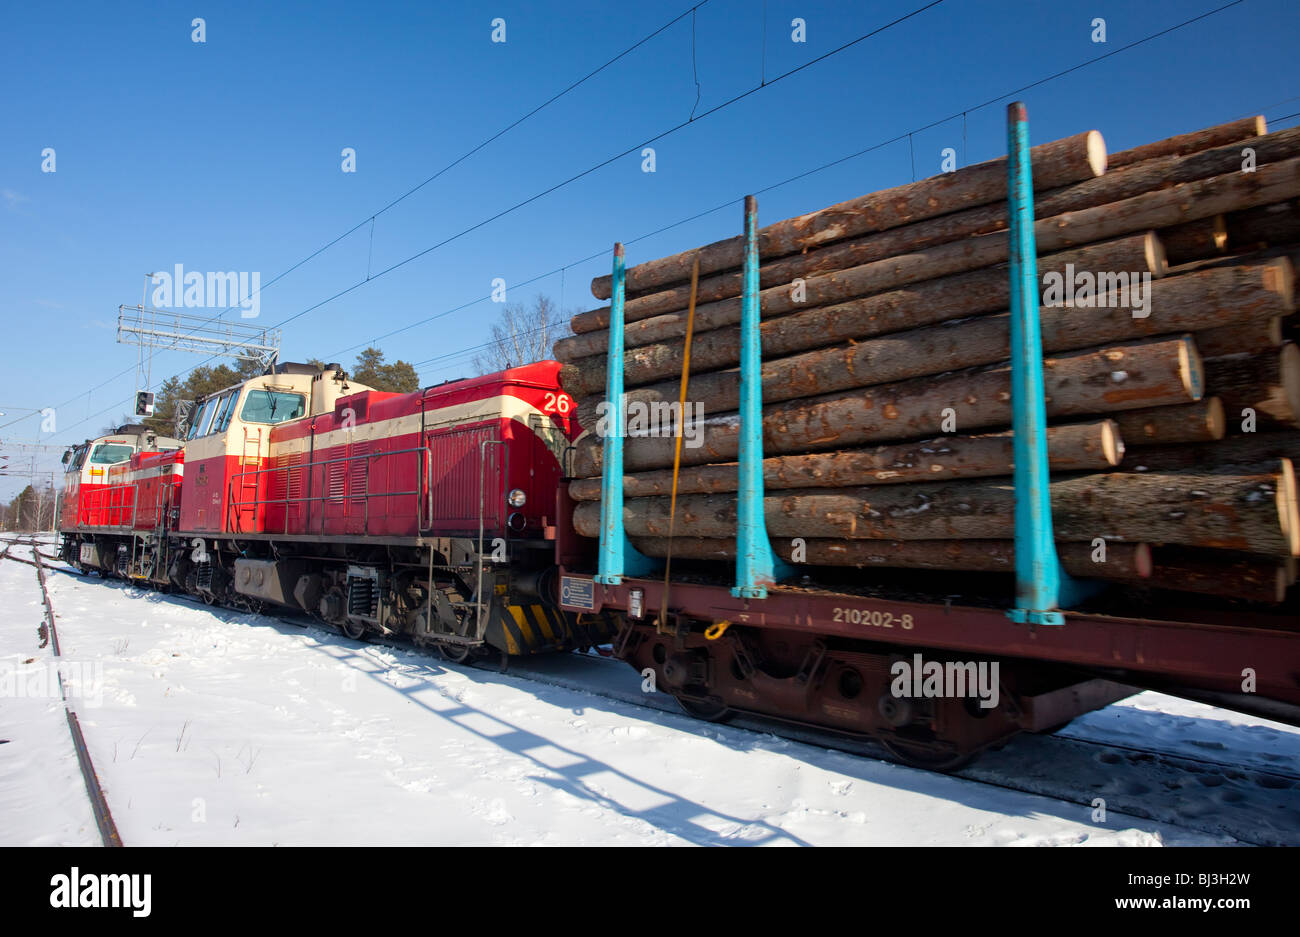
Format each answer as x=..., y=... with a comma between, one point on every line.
x=1142, y=559
x=1220, y=234
x=1288, y=506
x=1289, y=370
x=1280, y=277
x=1215, y=424
x=1157, y=260
x=1112, y=445
x=1096, y=147
x=1191, y=369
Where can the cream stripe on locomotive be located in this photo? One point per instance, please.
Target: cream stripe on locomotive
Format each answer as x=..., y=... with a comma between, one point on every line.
x=140, y=475
x=504, y=405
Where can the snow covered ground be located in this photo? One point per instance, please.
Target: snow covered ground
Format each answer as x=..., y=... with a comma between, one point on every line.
x=213, y=727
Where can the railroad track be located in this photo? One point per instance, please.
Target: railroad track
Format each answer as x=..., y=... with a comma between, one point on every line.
x=94, y=790
x=1065, y=768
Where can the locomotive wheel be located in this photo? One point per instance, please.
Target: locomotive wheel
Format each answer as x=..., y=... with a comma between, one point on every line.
x=354, y=630
x=707, y=710
x=927, y=759
x=456, y=653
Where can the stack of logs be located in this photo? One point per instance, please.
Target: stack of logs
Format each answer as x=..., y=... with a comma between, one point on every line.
x=1172, y=379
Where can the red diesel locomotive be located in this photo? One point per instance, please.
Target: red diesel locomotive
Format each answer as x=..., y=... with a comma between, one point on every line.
x=429, y=514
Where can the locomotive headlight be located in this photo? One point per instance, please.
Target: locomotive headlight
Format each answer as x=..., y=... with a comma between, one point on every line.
x=517, y=498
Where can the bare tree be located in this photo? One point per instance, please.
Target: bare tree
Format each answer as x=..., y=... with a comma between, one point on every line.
x=522, y=334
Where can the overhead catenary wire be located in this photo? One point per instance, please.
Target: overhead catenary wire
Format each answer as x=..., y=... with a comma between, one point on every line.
x=733, y=201
x=371, y=220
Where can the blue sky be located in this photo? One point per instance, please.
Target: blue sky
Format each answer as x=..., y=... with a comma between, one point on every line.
x=225, y=155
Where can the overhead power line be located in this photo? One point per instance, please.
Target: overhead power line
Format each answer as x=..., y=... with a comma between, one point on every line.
x=901, y=136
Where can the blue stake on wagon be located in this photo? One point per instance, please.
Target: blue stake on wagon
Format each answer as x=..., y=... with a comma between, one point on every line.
x=1042, y=586
x=618, y=558
x=756, y=566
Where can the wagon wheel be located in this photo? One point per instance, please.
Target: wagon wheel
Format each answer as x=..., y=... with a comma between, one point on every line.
x=928, y=759
x=709, y=710
x=456, y=653
x=355, y=630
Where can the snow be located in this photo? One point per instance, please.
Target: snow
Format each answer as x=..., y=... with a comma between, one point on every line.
x=217, y=727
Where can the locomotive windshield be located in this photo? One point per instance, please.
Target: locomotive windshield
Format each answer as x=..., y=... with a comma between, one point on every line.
x=106, y=454
x=272, y=406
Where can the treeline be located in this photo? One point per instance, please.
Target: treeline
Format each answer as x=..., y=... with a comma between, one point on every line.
x=32, y=509
x=370, y=369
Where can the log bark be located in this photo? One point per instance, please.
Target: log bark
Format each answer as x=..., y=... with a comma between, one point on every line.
x=1256, y=513
x=1102, y=380
x=1073, y=447
x=1268, y=384
x=1195, y=240
x=1201, y=421
x=1242, y=338
x=1112, y=187
x=1225, y=295
x=1185, y=143
x=1245, y=449
x=1058, y=163
x=1126, y=561
x=1240, y=576
x=1266, y=226
x=1208, y=572
x=981, y=291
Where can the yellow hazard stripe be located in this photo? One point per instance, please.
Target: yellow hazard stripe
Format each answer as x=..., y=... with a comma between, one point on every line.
x=512, y=646
x=543, y=621
x=522, y=622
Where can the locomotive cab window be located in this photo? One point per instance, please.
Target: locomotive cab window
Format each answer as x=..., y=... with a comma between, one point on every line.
x=272, y=406
x=77, y=461
x=200, y=425
x=225, y=410
x=106, y=454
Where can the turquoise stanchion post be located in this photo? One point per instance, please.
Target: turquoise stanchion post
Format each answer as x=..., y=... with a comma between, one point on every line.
x=756, y=566
x=618, y=558
x=1042, y=587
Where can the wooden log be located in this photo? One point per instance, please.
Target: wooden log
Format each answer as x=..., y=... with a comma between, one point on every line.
x=1267, y=384
x=982, y=292
x=1209, y=572
x=1201, y=421
x=1244, y=449
x=1112, y=187
x=1073, y=447
x=1185, y=143
x=1233, y=512
x=1235, y=575
x=1097, y=381
x=1127, y=561
x=1225, y=295
x=1248, y=338
x=1195, y=240
x=1054, y=164
x=1265, y=226
x=1164, y=208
